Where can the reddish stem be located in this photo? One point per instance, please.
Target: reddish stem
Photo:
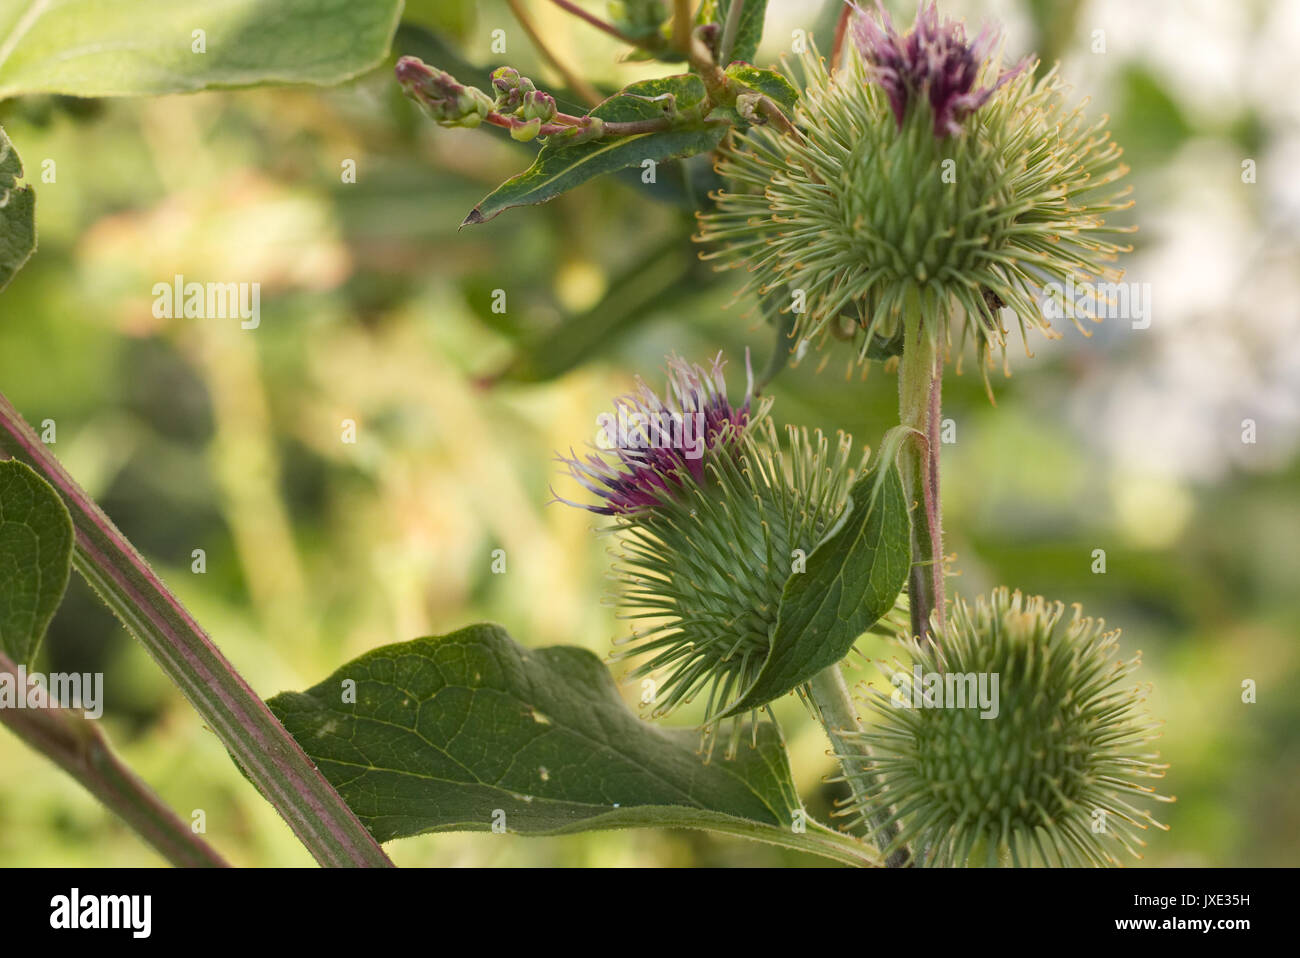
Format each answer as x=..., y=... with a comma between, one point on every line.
x=841, y=31
x=595, y=21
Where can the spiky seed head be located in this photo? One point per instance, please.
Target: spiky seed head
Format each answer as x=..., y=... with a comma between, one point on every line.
x=922, y=176
x=1054, y=777
x=705, y=546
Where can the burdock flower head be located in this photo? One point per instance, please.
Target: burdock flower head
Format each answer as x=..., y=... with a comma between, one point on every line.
x=1014, y=737
x=920, y=178
x=650, y=447
x=934, y=61
x=710, y=510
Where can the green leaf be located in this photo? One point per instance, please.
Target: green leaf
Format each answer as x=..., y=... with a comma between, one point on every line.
x=17, y=214
x=147, y=47
x=750, y=31
x=768, y=82
x=560, y=165
x=35, y=558
x=449, y=733
x=851, y=580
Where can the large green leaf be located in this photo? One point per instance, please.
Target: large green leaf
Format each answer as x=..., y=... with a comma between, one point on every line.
x=561, y=165
x=852, y=579
x=35, y=558
x=17, y=214
x=146, y=47
x=448, y=733
x=750, y=31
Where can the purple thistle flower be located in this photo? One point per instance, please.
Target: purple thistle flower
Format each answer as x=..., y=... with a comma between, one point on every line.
x=933, y=60
x=653, y=447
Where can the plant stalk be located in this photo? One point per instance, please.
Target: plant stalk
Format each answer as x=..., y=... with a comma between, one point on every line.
x=269, y=755
x=920, y=383
x=73, y=742
x=833, y=703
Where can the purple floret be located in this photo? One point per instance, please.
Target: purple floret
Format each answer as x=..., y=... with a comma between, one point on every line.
x=655, y=446
x=933, y=60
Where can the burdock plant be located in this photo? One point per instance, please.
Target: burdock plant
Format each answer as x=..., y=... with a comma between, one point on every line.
x=905, y=198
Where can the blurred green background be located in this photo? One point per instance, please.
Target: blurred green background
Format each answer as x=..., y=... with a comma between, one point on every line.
x=195, y=434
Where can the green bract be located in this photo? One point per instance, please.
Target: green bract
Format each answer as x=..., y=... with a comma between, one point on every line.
x=1048, y=774
x=862, y=218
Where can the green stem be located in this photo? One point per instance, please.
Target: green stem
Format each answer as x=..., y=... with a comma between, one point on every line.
x=79, y=748
x=270, y=757
x=681, y=32
x=920, y=380
x=830, y=697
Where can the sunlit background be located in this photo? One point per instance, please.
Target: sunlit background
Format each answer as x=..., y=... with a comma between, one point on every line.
x=196, y=434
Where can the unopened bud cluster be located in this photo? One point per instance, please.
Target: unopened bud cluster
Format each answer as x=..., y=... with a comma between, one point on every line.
x=443, y=99
x=517, y=97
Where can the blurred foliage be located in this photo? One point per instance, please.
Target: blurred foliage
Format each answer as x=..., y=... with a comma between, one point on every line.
x=195, y=434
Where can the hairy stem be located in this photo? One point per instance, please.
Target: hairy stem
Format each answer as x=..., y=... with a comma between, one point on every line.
x=920, y=380
x=830, y=697
x=269, y=755
x=73, y=743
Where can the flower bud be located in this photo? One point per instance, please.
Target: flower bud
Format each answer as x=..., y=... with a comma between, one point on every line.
x=510, y=88
x=539, y=106
x=440, y=96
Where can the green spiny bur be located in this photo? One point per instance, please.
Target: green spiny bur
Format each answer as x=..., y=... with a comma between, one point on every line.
x=1054, y=777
